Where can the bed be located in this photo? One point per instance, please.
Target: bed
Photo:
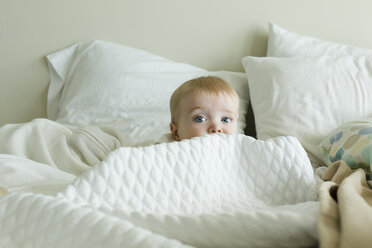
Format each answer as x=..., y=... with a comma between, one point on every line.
x=86, y=155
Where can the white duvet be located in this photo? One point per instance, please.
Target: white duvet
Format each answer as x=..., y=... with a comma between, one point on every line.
x=212, y=191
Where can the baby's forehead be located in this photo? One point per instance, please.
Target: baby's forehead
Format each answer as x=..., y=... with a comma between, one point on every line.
x=205, y=99
x=225, y=96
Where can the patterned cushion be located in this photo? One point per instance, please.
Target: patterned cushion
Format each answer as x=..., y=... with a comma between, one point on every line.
x=352, y=143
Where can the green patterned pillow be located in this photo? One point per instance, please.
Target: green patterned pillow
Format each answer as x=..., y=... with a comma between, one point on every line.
x=352, y=143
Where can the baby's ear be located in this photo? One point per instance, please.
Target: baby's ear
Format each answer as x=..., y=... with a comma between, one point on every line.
x=174, y=130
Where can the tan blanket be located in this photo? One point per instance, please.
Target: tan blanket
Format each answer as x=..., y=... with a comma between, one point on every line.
x=345, y=218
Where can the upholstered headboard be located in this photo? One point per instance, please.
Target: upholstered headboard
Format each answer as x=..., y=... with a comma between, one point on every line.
x=212, y=34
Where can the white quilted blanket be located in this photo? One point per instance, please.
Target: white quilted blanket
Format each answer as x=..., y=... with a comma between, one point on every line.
x=212, y=191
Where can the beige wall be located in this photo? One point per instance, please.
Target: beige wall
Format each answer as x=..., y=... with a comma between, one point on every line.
x=213, y=34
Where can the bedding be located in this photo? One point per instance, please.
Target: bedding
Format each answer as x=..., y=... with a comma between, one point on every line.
x=308, y=97
x=48, y=142
x=284, y=43
x=210, y=191
x=102, y=83
x=352, y=143
x=345, y=213
x=318, y=91
x=43, y=155
x=103, y=96
x=94, y=175
x=301, y=87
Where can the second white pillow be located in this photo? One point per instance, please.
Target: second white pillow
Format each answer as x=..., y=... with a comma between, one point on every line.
x=308, y=97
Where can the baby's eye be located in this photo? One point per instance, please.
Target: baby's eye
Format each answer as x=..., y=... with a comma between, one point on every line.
x=226, y=119
x=199, y=119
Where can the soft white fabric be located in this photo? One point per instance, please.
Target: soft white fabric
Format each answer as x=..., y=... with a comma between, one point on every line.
x=211, y=191
x=284, y=43
x=44, y=156
x=101, y=83
x=308, y=97
x=70, y=150
x=44, y=141
x=19, y=174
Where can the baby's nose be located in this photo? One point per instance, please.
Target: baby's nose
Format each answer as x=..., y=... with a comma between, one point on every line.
x=214, y=128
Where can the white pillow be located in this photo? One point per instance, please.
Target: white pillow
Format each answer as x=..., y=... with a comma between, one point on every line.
x=101, y=83
x=308, y=97
x=283, y=43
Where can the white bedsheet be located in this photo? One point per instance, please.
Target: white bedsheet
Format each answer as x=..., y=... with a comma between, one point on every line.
x=212, y=191
x=44, y=156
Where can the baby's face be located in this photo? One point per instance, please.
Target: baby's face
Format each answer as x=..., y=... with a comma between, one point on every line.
x=206, y=114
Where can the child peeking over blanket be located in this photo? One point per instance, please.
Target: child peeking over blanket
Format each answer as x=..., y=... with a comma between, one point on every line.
x=203, y=105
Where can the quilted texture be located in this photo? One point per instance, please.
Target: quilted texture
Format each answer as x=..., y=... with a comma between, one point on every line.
x=212, y=191
x=31, y=220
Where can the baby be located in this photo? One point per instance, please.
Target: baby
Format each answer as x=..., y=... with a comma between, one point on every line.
x=202, y=106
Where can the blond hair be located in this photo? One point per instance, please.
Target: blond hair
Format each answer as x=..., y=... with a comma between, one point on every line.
x=208, y=84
